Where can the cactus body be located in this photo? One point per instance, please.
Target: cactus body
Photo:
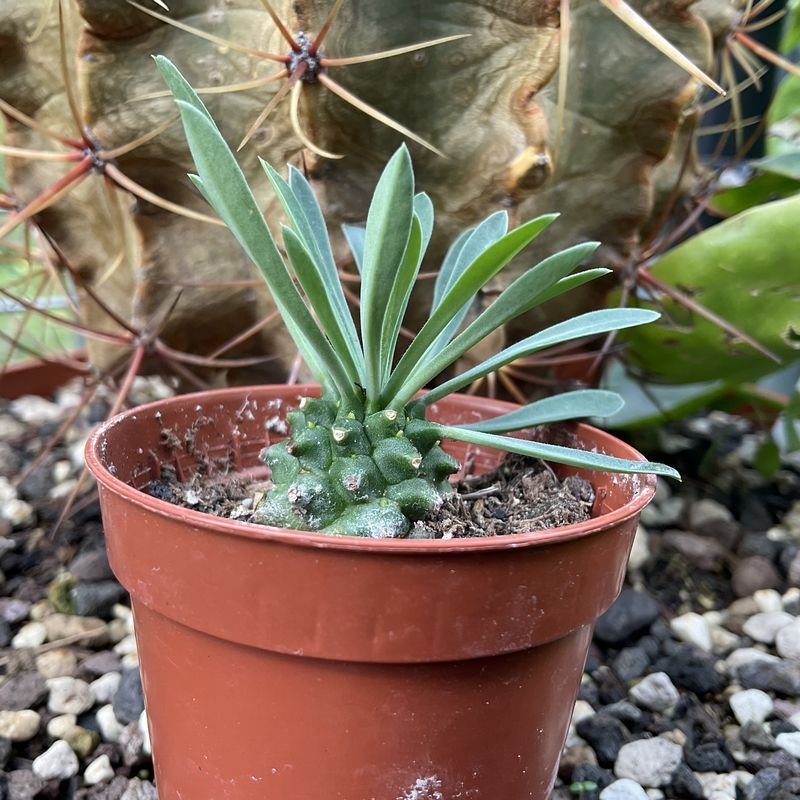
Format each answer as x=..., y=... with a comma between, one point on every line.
x=487, y=101
x=353, y=485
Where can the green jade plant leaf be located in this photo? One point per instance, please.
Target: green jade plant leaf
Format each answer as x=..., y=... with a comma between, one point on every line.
x=363, y=459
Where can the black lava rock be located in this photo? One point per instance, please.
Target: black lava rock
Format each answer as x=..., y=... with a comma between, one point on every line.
x=605, y=734
x=633, y=612
x=692, y=670
x=128, y=702
x=781, y=726
x=780, y=677
x=764, y=782
x=591, y=772
x=609, y=687
x=754, y=735
x=5, y=633
x=788, y=766
x=709, y=757
x=5, y=751
x=757, y=544
x=631, y=716
x=684, y=784
x=630, y=663
x=91, y=566
x=96, y=599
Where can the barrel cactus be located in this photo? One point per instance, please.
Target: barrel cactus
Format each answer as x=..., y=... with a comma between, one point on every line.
x=363, y=460
x=488, y=102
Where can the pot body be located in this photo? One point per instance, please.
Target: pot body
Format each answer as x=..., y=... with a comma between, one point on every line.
x=282, y=664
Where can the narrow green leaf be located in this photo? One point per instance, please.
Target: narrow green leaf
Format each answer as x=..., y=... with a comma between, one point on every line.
x=493, y=228
x=448, y=265
x=398, y=299
x=388, y=228
x=305, y=216
x=355, y=235
x=318, y=291
x=533, y=287
x=558, y=454
x=475, y=241
x=462, y=289
x=223, y=182
x=592, y=323
x=423, y=208
x=568, y=405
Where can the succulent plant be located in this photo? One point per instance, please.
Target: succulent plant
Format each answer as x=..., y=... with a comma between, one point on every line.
x=363, y=459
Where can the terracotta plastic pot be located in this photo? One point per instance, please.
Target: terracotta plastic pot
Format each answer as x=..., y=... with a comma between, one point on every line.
x=35, y=376
x=297, y=666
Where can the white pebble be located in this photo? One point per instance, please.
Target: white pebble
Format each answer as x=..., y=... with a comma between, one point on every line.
x=747, y=655
x=742, y=777
x=787, y=641
x=144, y=729
x=694, y=629
x=581, y=710
x=717, y=785
x=19, y=513
x=751, y=705
x=768, y=600
x=640, y=551
x=790, y=742
x=623, y=789
x=99, y=771
x=19, y=726
x=35, y=410
x=649, y=762
x=130, y=661
x=58, y=726
x=105, y=687
x=655, y=692
x=62, y=470
x=764, y=627
x=58, y=761
x=110, y=727
x=33, y=634
x=126, y=646
x=56, y=663
x=723, y=642
x=69, y=696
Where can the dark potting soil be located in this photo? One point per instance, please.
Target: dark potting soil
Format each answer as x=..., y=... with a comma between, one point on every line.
x=521, y=495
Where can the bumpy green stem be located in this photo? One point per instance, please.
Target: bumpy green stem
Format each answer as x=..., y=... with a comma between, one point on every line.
x=340, y=474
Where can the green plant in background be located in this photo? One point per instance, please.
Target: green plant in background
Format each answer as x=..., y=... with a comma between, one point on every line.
x=363, y=459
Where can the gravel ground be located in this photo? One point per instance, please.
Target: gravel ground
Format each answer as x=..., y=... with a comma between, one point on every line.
x=691, y=690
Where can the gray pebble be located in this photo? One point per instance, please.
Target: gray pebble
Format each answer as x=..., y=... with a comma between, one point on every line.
x=128, y=700
x=25, y=690
x=655, y=692
x=763, y=784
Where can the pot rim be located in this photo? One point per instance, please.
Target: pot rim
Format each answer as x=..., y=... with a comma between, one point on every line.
x=290, y=536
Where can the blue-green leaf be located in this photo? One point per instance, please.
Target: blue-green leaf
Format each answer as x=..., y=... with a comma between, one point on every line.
x=388, y=228
x=568, y=405
x=592, y=323
x=557, y=453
